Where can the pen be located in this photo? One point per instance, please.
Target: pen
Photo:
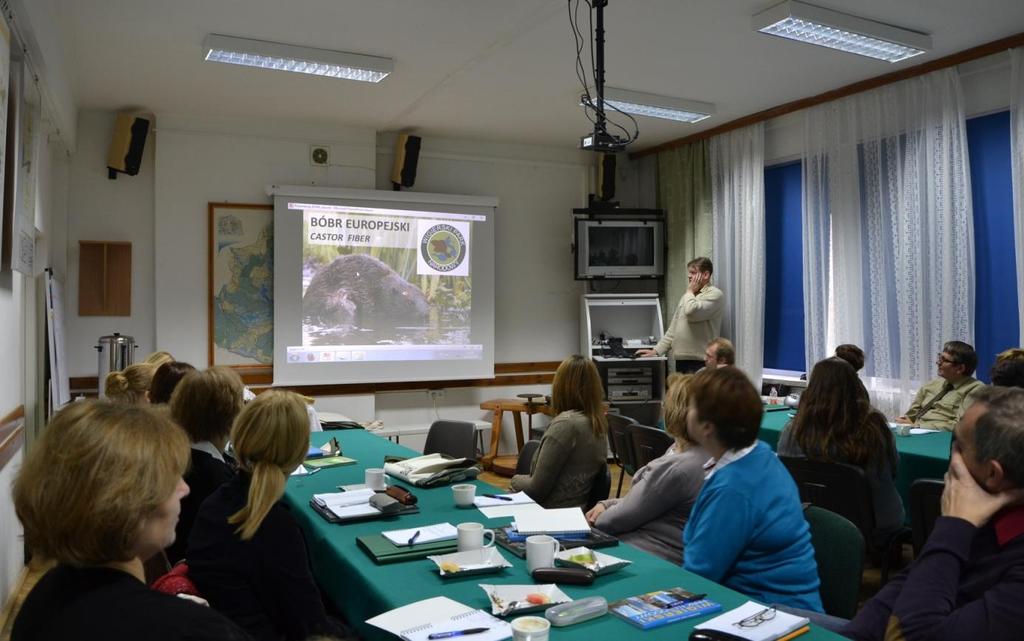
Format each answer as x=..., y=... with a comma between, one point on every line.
x=498, y=496
x=314, y=471
x=412, y=539
x=456, y=633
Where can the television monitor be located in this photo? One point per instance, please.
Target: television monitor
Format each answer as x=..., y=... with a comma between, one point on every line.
x=619, y=248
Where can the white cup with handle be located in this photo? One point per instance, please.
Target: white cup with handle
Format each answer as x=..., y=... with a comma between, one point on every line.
x=374, y=479
x=471, y=536
x=540, y=551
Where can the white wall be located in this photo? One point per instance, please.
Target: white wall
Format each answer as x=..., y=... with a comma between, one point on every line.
x=111, y=210
x=199, y=161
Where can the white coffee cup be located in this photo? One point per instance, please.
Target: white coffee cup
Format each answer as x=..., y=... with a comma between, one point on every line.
x=540, y=551
x=471, y=536
x=530, y=629
x=464, y=494
x=374, y=479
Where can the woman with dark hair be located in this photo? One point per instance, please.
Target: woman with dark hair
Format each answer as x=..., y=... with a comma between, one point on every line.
x=852, y=355
x=835, y=422
x=99, y=493
x=574, y=448
x=747, y=530
x=165, y=379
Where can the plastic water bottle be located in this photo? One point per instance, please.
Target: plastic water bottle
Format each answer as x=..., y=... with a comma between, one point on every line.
x=773, y=396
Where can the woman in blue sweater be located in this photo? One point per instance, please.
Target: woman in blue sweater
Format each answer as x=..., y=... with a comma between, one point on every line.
x=747, y=530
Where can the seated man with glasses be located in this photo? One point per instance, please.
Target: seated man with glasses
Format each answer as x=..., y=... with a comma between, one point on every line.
x=941, y=402
x=968, y=581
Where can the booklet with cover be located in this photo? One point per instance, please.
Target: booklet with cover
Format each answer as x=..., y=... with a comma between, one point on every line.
x=662, y=607
x=441, y=618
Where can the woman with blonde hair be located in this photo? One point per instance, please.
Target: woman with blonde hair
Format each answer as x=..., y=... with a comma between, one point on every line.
x=246, y=552
x=99, y=493
x=574, y=448
x=159, y=358
x=130, y=385
x=205, y=404
x=652, y=515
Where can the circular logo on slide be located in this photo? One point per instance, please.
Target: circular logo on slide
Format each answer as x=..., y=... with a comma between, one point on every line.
x=443, y=247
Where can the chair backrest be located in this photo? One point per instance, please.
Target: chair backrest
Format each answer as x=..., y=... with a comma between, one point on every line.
x=648, y=443
x=836, y=487
x=526, y=455
x=454, y=438
x=839, y=552
x=600, y=489
x=621, y=442
x=925, y=508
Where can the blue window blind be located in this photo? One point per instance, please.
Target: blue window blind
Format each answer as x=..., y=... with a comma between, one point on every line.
x=995, y=302
x=784, y=284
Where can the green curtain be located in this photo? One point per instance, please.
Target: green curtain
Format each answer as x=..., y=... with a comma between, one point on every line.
x=684, y=192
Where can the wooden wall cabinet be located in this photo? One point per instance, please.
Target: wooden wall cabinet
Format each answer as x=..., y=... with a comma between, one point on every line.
x=104, y=278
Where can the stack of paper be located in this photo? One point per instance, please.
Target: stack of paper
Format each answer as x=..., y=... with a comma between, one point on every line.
x=567, y=520
x=423, y=534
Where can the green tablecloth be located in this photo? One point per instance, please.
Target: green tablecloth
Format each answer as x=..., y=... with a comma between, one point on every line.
x=921, y=455
x=361, y=589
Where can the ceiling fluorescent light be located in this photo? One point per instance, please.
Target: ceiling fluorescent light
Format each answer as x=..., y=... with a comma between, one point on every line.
x=807, y=23
x=654, y=106
x=274, y=55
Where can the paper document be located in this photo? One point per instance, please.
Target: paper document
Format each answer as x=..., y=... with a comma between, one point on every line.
x=347, y=504
x=512, y=510
x=509, y=499
x=761, y=623
x=414, y=622
x=557, y=521
x=423, y=534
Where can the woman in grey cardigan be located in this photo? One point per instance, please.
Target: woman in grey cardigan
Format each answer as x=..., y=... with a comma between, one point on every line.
x=574, y=448
x=653, y=513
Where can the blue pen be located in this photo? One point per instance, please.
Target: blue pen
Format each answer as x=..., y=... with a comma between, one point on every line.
x=498, y=496
x=456, y=633
x=412, y=539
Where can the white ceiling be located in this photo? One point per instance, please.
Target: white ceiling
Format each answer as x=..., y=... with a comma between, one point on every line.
x=499, y=70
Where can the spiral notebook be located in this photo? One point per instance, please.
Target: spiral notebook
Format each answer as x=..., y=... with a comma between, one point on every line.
x=416, y=621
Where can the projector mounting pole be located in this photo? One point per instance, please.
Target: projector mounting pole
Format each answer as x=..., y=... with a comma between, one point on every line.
x=599, y=5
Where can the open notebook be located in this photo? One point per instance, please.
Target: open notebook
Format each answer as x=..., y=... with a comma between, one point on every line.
x=414, y=622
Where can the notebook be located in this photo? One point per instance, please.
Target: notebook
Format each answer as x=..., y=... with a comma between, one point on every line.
x=758, y=628
x=383, y=551
x=566, y=520
x=423, y=534
x=414, y=622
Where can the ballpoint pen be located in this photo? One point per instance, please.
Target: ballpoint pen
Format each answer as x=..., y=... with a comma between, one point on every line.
x=314, y=471
x=412, y=539
x=456, y=633
x=498, y=496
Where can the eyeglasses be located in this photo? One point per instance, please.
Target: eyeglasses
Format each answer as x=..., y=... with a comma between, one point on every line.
x=942, y=358
x=756, y=619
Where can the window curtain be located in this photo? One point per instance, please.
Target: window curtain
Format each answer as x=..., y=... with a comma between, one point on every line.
x=888, y=231
x=737, y=190
x=1017, y=169
x=684, y=192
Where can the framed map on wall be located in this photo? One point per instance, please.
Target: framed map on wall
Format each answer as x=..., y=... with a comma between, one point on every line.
x=241, y=285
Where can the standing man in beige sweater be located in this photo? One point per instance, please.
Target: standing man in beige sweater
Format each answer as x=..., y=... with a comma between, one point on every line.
x=697, y=320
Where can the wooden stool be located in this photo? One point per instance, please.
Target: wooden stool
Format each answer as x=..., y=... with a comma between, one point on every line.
x=506, y=465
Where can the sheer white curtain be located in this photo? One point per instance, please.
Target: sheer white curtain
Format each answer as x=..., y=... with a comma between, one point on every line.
x=1017, y=155
x=888, y=232
x=737, y=202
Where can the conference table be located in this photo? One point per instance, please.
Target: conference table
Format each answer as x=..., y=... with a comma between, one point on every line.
x=360, y=589
x=921, y=455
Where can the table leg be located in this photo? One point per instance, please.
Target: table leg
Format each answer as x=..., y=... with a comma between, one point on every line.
x=517, y=418
x=485, y=461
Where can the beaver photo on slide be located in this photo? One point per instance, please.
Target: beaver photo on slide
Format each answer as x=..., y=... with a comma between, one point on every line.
x=361, y=290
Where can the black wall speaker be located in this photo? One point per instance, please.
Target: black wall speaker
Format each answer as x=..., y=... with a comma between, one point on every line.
x=126, y=145
x=605, y=176
x=407, y=154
